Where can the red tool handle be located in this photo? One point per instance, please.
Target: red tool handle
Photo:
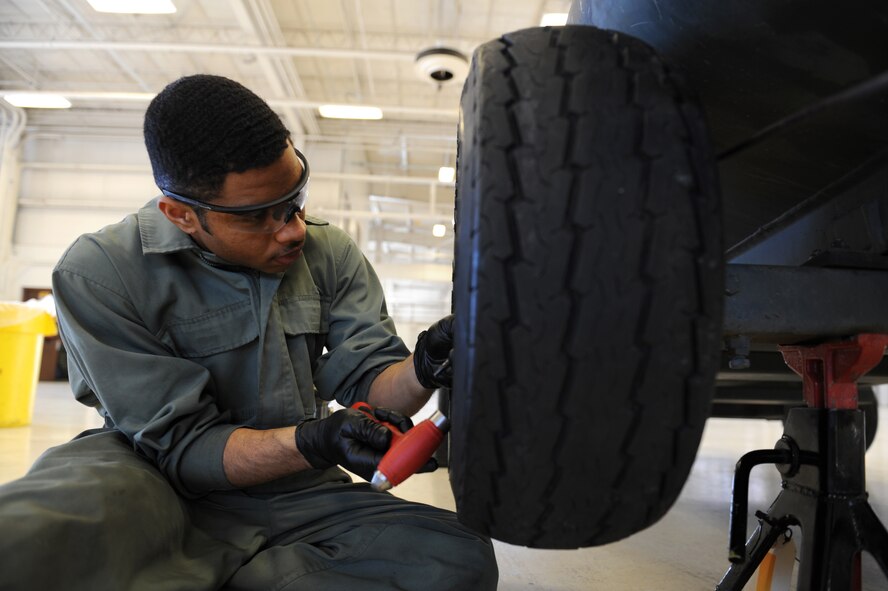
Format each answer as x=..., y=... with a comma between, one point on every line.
x=408, y=451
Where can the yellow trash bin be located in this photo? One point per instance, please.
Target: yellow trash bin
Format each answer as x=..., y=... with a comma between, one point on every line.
x=22, y=329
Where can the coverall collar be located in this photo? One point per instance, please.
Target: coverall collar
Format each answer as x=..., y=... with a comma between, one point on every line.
x=159, y=235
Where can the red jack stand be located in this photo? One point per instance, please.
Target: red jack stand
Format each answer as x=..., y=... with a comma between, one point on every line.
x=821, y=459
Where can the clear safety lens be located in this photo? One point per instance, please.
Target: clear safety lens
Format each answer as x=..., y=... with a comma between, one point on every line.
x=271, y=219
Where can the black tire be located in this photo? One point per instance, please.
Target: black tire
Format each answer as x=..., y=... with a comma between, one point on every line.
x=867, y=402
x=587, y=290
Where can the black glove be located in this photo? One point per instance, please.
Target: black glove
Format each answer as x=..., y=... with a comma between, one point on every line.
x=431, y=357
x=347, y=437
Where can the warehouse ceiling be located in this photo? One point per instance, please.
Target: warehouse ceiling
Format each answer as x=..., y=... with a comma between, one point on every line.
x=297, y=54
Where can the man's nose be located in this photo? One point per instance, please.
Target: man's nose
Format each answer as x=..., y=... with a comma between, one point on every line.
x=293, y=231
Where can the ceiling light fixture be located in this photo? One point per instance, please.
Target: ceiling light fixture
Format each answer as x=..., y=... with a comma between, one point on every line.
x=438, y=230
x=446, y=174
x=134, y=6
x=35, y=100
x=554, y=19
x=349, y=112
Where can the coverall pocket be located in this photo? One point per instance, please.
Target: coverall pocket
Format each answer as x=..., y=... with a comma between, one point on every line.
x=215, y=331
x=305, y=314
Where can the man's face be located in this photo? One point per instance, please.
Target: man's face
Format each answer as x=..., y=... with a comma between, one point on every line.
x=225, y=235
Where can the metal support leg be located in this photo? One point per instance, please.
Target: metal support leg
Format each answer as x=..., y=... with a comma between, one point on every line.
x=762, y=540
x=824, y=481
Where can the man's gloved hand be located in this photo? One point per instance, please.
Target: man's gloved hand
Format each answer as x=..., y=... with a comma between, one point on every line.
x=348, y=438
x=432, y=352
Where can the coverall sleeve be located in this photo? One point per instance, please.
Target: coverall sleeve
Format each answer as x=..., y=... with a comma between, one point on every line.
x=159, y=401
x=362, y=340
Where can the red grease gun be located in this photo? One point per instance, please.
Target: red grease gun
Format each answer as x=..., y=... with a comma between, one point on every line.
x=408, y=451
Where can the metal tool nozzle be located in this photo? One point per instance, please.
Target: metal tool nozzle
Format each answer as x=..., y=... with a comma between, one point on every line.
x=380, y=482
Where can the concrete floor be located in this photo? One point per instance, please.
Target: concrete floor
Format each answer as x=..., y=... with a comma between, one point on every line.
x=685, y=551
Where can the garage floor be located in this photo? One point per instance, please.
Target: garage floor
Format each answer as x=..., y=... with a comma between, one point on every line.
x=685, y=551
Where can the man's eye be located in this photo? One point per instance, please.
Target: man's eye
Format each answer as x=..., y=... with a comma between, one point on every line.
x=251, y=219
x=280, y=211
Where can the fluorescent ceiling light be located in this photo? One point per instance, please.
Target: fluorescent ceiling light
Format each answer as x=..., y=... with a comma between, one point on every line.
x=446, y=174
x=554, y=19
x=438, y=230
x=36, y=100
x=349, y=112
x=134, y=6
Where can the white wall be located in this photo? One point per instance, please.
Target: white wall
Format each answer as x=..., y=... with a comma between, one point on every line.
x=68, y=186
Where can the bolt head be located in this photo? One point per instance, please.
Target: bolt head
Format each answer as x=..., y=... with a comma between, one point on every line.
x=739, y=363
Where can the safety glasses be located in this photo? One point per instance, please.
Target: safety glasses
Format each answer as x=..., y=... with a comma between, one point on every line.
x=267, y=218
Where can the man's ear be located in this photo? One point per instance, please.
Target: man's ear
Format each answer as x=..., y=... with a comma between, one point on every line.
x=180, y=214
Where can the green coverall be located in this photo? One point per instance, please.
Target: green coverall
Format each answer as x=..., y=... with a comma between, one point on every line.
x=176, y=349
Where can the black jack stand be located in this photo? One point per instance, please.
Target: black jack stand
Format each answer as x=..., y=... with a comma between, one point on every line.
x=821, y=460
